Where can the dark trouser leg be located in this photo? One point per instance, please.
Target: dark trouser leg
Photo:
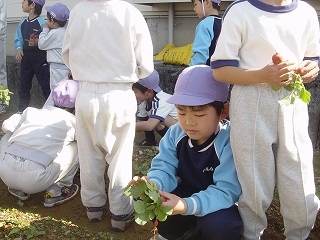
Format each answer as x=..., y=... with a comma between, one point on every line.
x=150, y=137
x=224, y=224
x=26, y=75
x=175, y=226
x=42, y=72
x=163, y=131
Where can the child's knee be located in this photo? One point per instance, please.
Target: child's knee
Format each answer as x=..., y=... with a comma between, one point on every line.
x=223, y=224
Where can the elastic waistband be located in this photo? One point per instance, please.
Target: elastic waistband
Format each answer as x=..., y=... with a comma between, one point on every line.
x=104, y=87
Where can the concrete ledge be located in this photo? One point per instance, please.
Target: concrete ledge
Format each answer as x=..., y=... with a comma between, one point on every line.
x=168, y=77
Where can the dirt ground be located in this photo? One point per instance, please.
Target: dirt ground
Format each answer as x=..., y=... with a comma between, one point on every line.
x=74, y=211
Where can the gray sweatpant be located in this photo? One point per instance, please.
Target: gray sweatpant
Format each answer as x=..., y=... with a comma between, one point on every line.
x=271, y=146
x=105, y=117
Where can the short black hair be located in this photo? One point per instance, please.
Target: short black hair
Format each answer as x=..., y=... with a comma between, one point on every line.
x=141, y=88
x=60, y=23
x=37, y=8
x=214, y=5
x=217, y=105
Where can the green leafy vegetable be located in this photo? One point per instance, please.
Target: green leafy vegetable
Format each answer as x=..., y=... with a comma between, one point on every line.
x=148, y=203
x=4, y=94
x=297, y=91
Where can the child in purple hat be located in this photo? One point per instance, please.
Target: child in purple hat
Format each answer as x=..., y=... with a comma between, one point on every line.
x=39, y=149
x=51, y=39
x=154, y=113
x=33, y=60
x=207, y=31
x=194, y=169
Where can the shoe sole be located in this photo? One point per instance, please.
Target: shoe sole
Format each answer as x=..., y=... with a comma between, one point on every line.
x=61, y=201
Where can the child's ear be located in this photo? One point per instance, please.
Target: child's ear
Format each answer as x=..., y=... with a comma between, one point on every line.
x=150, y=91
x=208, y=3
x=225, y=111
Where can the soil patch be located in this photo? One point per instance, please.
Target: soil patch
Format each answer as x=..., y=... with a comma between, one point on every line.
x=74, y=212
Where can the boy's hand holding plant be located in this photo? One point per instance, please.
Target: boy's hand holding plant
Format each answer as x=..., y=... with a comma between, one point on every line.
x=148, y=202
x=296, y=86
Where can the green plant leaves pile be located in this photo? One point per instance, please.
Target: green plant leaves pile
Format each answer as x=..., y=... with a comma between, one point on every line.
x=297, y=91
x=148, y=203
x=4, y=94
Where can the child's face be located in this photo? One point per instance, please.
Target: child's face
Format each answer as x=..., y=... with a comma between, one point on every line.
x=51, y=24
x=141, y=97
x=198, y=8
x=198, y=123
x=26, y=7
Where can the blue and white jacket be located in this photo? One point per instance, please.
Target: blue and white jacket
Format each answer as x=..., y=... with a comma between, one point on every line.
x=25, y=28
x=207, y=171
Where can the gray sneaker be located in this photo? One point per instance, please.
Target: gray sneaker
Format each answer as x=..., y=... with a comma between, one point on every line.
x=19, y=194
x=94, y=213
x=67, y=193
x=121, y=222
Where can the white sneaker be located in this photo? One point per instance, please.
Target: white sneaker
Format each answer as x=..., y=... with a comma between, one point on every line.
x=19, y=194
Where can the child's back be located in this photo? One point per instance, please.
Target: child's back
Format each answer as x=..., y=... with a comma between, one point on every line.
x=115, y=46
x=207, y=31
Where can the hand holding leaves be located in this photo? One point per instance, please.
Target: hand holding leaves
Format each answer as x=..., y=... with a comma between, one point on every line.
x=296, y=87
x=148, y=202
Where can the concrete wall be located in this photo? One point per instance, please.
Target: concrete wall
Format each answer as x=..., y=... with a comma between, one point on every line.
x=155, y=12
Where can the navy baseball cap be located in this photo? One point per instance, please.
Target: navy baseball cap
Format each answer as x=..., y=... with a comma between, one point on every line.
x=196, y=86
x=152, y=81
x=58, y=11
x=64, y=93
x=40, y=2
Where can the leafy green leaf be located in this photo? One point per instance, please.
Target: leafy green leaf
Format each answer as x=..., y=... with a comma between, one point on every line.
x=148, y=204
x=14, y=231
x=297, y=91
x=142, y=218
x=305, y=96
x=140, y=206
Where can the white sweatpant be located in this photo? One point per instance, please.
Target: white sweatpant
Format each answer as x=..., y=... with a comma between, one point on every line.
x=32, y=177
x=105, y=117
x=58, y=72
x=271, y=146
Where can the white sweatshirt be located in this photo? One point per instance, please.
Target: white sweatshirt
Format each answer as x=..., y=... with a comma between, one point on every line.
x=107, y=41
x=51, y=41
x=40, y=134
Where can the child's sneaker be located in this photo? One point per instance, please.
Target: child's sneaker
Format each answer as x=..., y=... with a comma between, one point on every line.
x=67, y=193
x=19, y=194
x=121, y=222
x=94, y=213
